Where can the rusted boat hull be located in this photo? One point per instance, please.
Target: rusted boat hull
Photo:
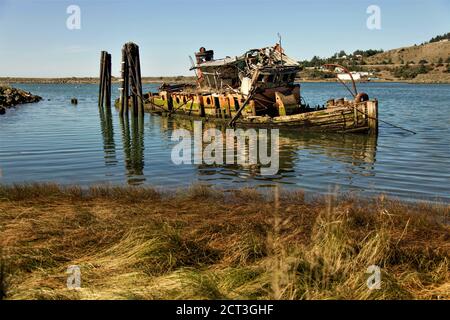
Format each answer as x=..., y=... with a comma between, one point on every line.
x=353, y=117
x=361, y=117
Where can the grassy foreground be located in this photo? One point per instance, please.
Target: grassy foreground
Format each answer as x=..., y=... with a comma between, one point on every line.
x=203, y=243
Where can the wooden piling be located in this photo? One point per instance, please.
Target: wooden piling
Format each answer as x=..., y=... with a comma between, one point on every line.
x=131, y=82
x=101, y=78
x=127, y=84
x=124, y=84
x=104, y=93
x=372, y=113
x=139, y=84
x=108, y=80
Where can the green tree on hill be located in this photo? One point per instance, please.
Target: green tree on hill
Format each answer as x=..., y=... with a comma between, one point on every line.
x=442, y=37
x=367, y=53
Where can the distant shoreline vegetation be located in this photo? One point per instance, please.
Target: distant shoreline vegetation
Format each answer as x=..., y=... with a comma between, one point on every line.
x=347, y=60
x=91, y=80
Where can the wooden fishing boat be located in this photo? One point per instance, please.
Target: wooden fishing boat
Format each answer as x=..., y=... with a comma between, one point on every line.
x=258, y=89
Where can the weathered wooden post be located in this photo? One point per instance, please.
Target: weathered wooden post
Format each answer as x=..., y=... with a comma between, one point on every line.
x=124, y=90
x=139, y=83
x=131, y=82
x=108, y=80
x=372, y=114
x=132, y=79
x=101, y=79
x=104, y=92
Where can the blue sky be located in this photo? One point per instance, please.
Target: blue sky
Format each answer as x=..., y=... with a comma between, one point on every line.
x=35, y=42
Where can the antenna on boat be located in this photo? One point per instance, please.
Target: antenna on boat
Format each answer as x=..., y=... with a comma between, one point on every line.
x=281, y=48
x=192, y=63
x=193, y=67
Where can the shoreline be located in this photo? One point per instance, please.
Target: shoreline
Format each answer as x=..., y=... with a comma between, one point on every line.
x=91, y=80
x=202, y=243
x=177, y=80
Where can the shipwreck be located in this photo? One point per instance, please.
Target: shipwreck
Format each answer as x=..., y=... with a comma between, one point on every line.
x=258, y=89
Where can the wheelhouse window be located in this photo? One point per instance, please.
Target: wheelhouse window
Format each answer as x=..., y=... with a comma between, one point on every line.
x=293, y=77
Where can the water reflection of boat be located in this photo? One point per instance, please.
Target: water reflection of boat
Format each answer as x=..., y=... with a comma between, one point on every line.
x=352, y=148
x=357, y=152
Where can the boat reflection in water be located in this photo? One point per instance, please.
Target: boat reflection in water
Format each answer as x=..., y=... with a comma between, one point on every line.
x=305, y=158
x=308, y=160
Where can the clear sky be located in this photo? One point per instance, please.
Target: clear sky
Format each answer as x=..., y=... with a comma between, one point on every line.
x=35, y=42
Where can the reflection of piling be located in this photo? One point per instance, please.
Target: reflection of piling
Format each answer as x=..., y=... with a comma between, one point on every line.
x=137, y=144
x=133, y=147
x=109, y=145
x=124, y=124
x=104, y=95
x=131, y=83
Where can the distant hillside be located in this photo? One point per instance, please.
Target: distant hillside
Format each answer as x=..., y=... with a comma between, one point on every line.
x=425, y=63
x=434, y=52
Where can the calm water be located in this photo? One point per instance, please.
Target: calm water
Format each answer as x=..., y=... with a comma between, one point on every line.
x=56, y=141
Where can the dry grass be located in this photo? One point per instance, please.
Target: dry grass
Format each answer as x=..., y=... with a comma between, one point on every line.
x=430, y=52
x=204, y=243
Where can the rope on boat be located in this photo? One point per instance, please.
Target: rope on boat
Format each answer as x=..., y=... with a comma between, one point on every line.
x=386, y=122
x=398, y=127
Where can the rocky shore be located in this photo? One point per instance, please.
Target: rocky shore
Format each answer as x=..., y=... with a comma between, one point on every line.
x=10, y=97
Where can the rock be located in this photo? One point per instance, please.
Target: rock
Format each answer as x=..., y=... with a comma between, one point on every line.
x=2, y=111
x=10, y=97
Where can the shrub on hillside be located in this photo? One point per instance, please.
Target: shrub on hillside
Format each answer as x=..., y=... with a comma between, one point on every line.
x=409, y=72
